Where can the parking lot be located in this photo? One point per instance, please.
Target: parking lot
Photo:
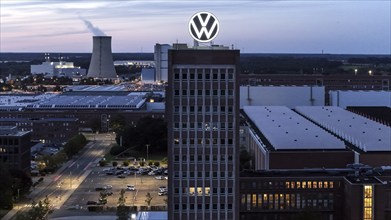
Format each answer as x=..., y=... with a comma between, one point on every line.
x=98, y=178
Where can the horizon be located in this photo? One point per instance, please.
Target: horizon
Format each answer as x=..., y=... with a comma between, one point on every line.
x=270, y=27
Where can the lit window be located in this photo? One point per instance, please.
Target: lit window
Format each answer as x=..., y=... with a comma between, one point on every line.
x=368, y=202
x=254, y=200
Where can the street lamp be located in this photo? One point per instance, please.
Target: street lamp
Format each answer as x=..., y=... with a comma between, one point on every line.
x=355, y=71
x=147, y=151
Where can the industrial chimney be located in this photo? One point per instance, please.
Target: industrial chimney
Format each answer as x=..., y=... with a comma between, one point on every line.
x=102, y=65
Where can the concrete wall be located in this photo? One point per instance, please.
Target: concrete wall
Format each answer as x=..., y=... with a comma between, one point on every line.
x=290, y=96
x=360, y=98
x=310, y=159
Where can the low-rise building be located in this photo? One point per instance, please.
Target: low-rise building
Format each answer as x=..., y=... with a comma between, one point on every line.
x=15, y=148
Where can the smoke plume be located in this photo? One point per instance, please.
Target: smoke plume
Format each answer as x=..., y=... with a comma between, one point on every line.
x=94, y=30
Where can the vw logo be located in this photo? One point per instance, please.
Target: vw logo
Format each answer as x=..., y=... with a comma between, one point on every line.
x=204, y=27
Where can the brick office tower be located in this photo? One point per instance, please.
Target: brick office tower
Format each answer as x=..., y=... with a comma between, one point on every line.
x=203, y=139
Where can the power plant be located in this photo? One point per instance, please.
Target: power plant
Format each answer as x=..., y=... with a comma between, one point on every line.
x=102, y=65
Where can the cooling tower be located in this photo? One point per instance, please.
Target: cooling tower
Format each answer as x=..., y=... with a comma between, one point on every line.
x=102, y=65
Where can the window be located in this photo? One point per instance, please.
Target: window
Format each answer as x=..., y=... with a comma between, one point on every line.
x=368, y=202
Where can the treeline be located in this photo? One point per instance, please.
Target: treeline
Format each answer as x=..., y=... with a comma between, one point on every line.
x=75, y=144
x=147, y=131
x=14, y=183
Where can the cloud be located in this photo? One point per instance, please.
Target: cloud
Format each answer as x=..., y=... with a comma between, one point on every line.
x=93, y=29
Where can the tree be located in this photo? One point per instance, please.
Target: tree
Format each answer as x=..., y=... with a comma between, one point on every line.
x=151, y=131
x=122, y=209
x=5, y=188
x=75, y=144
x=21, y=181
x=95, y=124
x=39, y=211
x=148, y=199
x=117, y=123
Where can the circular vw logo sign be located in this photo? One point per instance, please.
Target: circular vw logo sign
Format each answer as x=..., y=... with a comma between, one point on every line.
x=203, y=27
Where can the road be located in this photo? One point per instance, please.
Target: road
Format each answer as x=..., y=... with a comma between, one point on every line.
x=69, y=177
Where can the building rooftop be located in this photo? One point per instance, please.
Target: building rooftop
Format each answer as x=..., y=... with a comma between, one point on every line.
x=95, y=88
x=287, y=130
x=132, y=101
x=362, y=132
x=11, y=131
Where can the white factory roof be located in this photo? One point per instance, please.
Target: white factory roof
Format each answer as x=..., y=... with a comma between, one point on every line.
x=360, y=131
x=22, y=100
x=96, y=88
x=287, y=130
x=132, y=100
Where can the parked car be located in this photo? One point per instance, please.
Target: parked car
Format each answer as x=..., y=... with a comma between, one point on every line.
x=92, y=203
x=107, y=187
x=130, y=188
x=121, y=176
x=159, y=177
x=162, y=193
x=162, y=188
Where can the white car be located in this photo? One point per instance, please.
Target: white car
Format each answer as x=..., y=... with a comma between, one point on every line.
x=130, y=188
x=162, y=188
x=107, y=187
x=162, y=193
x=159, y=177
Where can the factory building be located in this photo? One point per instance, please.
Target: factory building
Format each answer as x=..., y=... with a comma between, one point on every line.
x=352, y=193
x=313, y=136
x=58, y=69
x=370, y=140
x=330, y=82
x=351, y=98
x=290, y=96
x=279, y=138
x=81, y=108
x=15, y=148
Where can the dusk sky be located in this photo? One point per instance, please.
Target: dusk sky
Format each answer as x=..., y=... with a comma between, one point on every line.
x=338, y=27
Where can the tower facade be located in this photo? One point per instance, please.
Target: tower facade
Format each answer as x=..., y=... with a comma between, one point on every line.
x=161, y=61
x=203, y=138
x=102, y=65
